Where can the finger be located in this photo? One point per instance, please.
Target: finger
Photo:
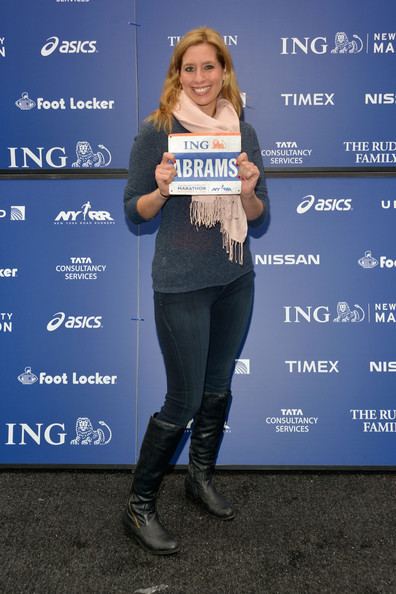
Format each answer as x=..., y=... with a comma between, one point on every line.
x=251, y=173
x=165, y=171
x=248, y=170
x=167, y=157
x=242, y=158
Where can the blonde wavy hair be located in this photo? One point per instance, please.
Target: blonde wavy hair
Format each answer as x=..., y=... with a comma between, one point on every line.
x=162, y=117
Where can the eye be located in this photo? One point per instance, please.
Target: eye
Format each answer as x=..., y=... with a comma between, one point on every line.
x=188, y=69
x=209, y=66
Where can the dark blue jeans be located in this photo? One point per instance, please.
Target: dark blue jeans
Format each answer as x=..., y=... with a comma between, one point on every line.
x=200, y=335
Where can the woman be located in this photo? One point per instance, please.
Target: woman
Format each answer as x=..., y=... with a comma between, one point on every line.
x=202, y=277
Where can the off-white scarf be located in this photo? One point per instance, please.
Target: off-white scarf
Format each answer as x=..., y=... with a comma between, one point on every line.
x=224, y=209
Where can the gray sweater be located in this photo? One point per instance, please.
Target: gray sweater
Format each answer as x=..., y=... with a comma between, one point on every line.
x=186, y=257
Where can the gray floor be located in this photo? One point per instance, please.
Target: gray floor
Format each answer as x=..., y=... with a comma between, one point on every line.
x=294, y=533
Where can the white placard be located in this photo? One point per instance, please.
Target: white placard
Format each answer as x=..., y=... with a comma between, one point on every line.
x=205, y=163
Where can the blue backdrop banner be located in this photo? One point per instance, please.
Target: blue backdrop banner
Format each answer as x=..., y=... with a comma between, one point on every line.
x=81, y=365
x=314, y=384
x=316, y=80
x=68, y=274
x=70, y=97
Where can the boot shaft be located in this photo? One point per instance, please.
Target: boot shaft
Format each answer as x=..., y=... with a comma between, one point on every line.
x=159, y=444
x=207, y=431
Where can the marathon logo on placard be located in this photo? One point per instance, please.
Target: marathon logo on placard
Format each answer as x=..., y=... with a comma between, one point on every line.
x=205, y=163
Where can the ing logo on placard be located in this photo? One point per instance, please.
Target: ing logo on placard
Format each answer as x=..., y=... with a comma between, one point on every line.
x=218, y=144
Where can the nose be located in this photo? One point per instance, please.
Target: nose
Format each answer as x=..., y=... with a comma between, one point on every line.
x=199, y=75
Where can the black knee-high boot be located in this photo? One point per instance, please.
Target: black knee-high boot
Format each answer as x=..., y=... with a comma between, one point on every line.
x=206, y=436
x=140, y=517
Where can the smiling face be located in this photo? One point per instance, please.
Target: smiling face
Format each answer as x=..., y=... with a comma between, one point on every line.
x=201, y=76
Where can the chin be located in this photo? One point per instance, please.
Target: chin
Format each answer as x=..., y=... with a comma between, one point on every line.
x=205, y=104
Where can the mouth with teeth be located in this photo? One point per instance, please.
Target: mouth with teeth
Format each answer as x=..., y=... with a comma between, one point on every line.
x=200, y=90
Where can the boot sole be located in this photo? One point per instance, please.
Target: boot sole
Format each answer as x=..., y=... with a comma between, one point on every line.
x=197, y=501
x=131, y=533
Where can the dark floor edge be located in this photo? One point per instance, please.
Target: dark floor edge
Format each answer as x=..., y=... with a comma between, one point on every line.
x=182, y=467
x=279, y=172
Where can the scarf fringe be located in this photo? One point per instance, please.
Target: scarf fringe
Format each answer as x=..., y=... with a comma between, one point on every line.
x=206, y=212
x=233, y=247
x=209, y=213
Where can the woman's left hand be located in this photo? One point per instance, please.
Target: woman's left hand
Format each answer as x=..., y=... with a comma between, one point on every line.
x=248, y=173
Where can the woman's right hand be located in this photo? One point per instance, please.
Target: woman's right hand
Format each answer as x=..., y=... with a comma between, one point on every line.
x=165, y=173
x=149, y=205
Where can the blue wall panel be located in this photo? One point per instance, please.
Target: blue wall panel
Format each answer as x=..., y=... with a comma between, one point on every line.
x=67, y=330
x=305, y=386
x=305, y=94
x=75, y=65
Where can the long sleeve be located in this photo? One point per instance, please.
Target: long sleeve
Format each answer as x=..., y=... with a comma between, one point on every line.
x=146, y=153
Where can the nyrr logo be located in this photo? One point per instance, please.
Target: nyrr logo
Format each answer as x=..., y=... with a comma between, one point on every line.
x=74, y=322
x=319, y=45
x=242, y=367
x=67, y=47
x=324, y=204
x=321, y=314
x=84, y=216
x=2, y=47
